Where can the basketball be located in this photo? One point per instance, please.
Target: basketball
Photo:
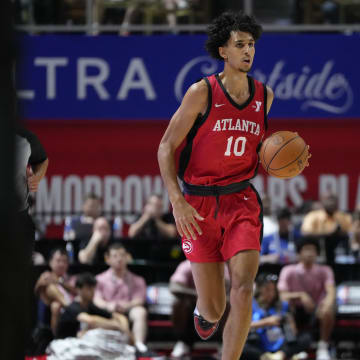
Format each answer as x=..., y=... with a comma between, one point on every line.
x=284, y=154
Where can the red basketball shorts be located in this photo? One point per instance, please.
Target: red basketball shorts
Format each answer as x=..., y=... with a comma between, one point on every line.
x=236, y=227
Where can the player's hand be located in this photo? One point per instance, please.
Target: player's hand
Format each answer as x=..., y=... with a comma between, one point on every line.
x=32, y=180
x=185, y=217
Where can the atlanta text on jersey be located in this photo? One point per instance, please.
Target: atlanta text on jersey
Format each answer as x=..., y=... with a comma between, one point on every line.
x=240, y=125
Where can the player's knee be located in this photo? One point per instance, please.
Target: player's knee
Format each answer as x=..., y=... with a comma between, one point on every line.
x=241, y=290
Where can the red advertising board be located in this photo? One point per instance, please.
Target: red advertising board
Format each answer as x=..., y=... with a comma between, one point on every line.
x=118, y=161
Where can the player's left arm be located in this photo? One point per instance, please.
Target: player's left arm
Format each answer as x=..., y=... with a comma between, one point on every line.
x=269, y=99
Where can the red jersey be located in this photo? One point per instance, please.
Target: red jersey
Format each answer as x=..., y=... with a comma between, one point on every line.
x=222, y=146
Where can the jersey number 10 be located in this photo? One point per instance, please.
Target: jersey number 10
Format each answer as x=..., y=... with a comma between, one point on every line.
x=236, y=150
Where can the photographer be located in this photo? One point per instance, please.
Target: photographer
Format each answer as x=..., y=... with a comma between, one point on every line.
x=273, y=334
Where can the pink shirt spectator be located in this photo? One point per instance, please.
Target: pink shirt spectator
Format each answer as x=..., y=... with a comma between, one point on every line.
x=313, y=281
x=112, y=288
x=183, y=274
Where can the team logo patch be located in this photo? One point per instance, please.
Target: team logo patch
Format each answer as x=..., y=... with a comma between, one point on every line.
x=187, y=246
x=257, y=106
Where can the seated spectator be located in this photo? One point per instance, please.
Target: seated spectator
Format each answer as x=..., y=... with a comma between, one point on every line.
x=55, y=287
x=326, y=220
x=183, y=287
x=280, y=247
x=153, y=223
x=273, y=333
x=310, y=289
x=82, y=314
x=330, y=224
x=81, y=227
x=120, y=290
x=302, y=210
x=92, y=250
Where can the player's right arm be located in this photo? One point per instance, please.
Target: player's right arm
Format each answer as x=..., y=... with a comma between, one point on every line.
x=194, y=102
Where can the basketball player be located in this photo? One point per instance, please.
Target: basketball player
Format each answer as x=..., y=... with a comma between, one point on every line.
x=223, y=118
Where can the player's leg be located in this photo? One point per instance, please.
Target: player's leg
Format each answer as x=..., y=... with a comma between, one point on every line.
x=207, y=267
x=210, y=287
x=243, y=268
x=211, y=302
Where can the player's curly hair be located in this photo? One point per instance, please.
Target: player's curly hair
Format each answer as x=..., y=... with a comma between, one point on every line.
x=219, y=30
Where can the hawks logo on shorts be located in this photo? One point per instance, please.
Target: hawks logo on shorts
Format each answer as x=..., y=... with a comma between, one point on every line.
x=187, y=246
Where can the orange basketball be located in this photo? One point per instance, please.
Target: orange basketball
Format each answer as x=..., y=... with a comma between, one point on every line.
x=284, y=154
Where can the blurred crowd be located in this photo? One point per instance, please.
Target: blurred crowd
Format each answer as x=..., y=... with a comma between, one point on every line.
x=88, y=235
x=173, y=12
x=296, y=301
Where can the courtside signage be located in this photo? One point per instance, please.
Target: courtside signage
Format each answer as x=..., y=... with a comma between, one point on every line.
x=145, y=77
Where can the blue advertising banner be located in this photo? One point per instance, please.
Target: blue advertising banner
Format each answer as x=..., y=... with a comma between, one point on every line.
x=145, y=77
